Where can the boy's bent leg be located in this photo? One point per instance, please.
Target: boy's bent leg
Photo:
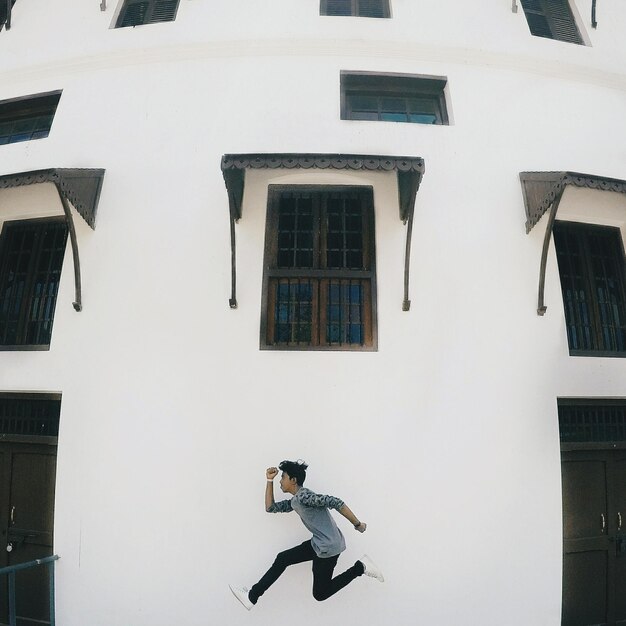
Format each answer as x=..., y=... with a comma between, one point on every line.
x=324, y=585
x=299, y=554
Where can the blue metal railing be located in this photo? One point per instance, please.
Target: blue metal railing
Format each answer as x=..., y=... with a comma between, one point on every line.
x=10, y=572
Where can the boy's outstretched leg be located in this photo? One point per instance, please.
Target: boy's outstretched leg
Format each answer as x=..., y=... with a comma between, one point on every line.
x=299, y=554
x=371, y=569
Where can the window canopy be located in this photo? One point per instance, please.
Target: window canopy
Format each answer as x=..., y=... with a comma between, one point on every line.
x=409, y=171
x=543, y=191
x=81, y=187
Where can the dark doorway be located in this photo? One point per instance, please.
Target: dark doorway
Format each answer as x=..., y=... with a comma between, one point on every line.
x=594, y=513
x=27, y=486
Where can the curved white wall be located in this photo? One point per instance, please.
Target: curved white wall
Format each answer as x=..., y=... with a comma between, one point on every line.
x=445, y=441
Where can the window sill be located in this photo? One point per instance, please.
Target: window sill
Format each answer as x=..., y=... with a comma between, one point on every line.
x=598, y=353
x=28, y=348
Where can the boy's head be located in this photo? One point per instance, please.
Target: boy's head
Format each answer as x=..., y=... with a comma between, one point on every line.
x=293, y=470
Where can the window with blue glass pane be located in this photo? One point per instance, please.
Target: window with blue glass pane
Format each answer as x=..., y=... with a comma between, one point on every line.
x=24, y=119
x=355, y=8
x=393, y=98
x=592, y=272
x=31, y=259
x=319, y=269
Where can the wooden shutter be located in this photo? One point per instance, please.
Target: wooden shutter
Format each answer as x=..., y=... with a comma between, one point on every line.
x=562, y=21
x=137, y=12
x=373, y=8
x=3, y=12
x=357, y=8
x=336, y=7
x=552, y=19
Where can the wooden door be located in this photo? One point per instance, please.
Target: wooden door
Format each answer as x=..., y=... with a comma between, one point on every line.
x=27, y=481
x=594, y=541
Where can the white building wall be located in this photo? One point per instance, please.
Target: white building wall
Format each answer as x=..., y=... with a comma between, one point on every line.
x=445, y=441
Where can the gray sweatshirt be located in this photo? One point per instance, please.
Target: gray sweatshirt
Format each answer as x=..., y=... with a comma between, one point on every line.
x=313, y=510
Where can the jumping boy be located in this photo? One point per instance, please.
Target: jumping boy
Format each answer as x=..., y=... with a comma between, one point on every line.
x=323, y=548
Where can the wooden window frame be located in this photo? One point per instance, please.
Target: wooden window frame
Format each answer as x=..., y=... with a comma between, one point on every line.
x=15, y=110
x=149, y=12
x=354, y=10
x=548, y=13
x=595, y=315
x=382, y=85
x=319, y=275
x=28, y=290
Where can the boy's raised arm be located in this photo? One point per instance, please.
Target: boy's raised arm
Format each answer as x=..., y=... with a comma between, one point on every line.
x=270, y=474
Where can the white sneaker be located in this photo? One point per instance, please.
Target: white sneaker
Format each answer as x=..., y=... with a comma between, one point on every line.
x=241, y=593
x=371, y=569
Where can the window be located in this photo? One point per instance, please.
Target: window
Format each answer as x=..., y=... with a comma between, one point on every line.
x=591, y=266
x=357, y=8
x=23, y=119
x=319, y=284
x=552, y=19
x=138, y=12
x=31, y=258
x=393, y=98
x=4, y=12
x=29, y=414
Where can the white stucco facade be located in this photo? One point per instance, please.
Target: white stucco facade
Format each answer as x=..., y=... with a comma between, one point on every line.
x=445, y=440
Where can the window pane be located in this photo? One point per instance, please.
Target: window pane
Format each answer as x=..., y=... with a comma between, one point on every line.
x=338, y=7
x=363, y=107
x=591, y=268
x=345, y=234
x=27, y=118
x=345, y=312
x=294, y=311
x=295, y=233
x=30, y=272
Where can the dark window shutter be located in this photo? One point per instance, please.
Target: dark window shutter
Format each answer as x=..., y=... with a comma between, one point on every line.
x=552, y=19
x=593, y=282
x=373, y=8
x=163, y=11
x=3, y=12
x=357, y=8
x=562, y=21
x=30, y=270
x=133, y=14
x=137, y=12
x=336, y=7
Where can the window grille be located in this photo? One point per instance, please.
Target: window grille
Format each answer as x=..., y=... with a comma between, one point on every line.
x=552, y=19
x=29, y=415
x=592, y=422
x=355, y=8
x=591, y=266
x=31, y=258
x=28, y=118
x=319, y=276
x=393, y=98
x=138, y=12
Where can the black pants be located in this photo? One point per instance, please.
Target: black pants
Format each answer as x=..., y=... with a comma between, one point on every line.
x=324, y=585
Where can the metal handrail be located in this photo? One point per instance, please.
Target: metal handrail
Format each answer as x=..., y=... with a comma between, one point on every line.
x=10, y=572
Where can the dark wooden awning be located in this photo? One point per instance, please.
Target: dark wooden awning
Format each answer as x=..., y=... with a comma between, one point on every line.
x=81, y=187
x=543, y=191
x=409, y=170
